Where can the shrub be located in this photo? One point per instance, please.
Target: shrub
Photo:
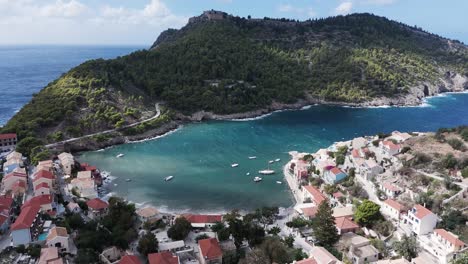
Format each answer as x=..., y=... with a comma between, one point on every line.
x=457, y=144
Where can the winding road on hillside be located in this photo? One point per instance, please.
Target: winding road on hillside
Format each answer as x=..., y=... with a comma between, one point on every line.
x=158, y=113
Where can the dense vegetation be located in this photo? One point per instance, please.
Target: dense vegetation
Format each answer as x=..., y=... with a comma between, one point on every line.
x=236, y=65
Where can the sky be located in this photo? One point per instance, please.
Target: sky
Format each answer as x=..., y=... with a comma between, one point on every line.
x=139, y=22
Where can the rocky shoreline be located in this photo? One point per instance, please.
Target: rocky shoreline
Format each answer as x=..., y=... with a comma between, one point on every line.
x=415, y=97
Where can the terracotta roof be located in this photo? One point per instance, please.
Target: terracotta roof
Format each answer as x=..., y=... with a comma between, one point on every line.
x=394, y=204
x=18, y=184
x=449, y=237
x=129, y=259
x=163, y=258
x=50, y=255
x=5, y=203
x=14, y=174
x=38, y=200
x=199, y=219
x=344, y=223
x=25, y=218
x=355, y=153
x=90, y=168
x=338, y=194
x=321, y=255
x=209, y=248
x=7, y=136
x=97, y=204
x=391, y=145
x=391, y=187
x=316, y=194
x=42, y=184
x=336, y=171
x=421, y=211
x=306, y=261
x=310, y=211
x=57, y=231
x=44, y=174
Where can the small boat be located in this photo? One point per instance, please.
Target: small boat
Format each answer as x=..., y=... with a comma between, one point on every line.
x=248, y=173
x=257, y=179
x=277, y=160
x=266, y=172
x=271, y=161
x=115, y=184
x=128, y=180
x=252, y=157
x=168, y=178
x=120, y=155
x=234, y=165
x=278, y=182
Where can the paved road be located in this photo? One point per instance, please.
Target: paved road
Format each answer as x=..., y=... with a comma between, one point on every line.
x=158, y=113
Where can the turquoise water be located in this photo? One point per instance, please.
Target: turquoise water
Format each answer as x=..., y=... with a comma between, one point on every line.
x=42, y=237
x=200, y=155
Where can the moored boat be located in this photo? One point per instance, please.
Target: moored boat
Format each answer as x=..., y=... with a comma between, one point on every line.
x=257, y=179
x=278, y=182
x=234, y=165
x=277, y=160
x=119, y=155
x=271, y=161
x=168, y=178
x=266, y=172
x=252, y=157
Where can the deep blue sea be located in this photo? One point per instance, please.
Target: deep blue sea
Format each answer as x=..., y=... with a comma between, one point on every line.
x=199, y=155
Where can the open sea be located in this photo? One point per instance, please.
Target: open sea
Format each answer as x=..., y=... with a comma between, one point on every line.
x=199, y=155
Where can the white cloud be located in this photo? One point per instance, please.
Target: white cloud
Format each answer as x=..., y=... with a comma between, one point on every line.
x=344, y=8
x=287, y=8
x=380, y=2
x=73, y=22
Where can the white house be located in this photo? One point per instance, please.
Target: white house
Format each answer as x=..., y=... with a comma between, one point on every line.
x=313, y=194
x=445, y=245
x=321, y=256
x=392, y=208
x=147, y=214
x=67, y=161
x=73, y=207
x=399, y=137
x=58, y=237
x=390, y=148
x=97, y=208
x=369, y=169
x=390, y=189
x=333, y=175
x=421, y=220
x=23, y=227
x=202, y=221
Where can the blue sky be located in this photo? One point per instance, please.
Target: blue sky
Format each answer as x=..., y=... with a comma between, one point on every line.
x=140, y=21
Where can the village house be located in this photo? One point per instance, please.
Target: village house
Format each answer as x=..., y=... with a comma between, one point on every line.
x=6, y=207
x=67, y=161
x=333, y=175
x=50, y=255
x=84, y=184
x=345, y=225
x=321, y=256
x=359, y=142
x=58, y=237
x=360, y=249
x=301, y=170
x=390, y=189
x=210, y=251
x=129, y=259
x=322, y=160
x=389, y=148
x=97, y=208
x=9, y=180
x=306, y=210
x=343, y=211
x=41, y=189
x=392, y=208
x=421, y=220
x=45, y=202
x=18, y=189
x=399, y=137
x=110, y=255
x=393, y=261
x=47, y=165
x=369, y=169
x=8, y=142
x=444, y=245
x=148, y=214
x=163, y=258
x=24, y=227
x=202, y=221
x=14, y=160
x=44, y=176
x=312, y=195
x=73, y=207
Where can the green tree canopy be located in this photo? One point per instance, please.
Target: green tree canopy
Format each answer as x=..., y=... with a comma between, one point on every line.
x=324, y=226
x=180, y=229
x=367, y=213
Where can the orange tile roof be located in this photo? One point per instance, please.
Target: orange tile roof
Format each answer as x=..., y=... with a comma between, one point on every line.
x=50, y=255
x=391, y=145
x=209, y=248
x=44, y=174
x=449, y=237
x=57, y=231
x=391, y=187
x=421, y=211
x=5, y=203
x=306, y=261
x=129, y=259
x=316, y=194
x=394, y=204
x=163, y=258
x=310, y=211
x=97, y=204
x=198, y=219
x=344, y=223
x=38, y=200
x=8, y=136
x=25, y=218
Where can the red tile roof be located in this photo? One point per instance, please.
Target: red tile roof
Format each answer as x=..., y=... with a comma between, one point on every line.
x=421, y=211
x=306, y=261
x=38, y=200
x=449, y=237
x=5, y=203
x=163, y=258
x=338, y=194
x=391, y=145
x=391, y=187
x=7, y=136
x=18, y=184
x=44, y=174
x=344, y=223
x=336, y=171
x=394, y=204
x=209, y=248
x=90, y=168
x=316, y=194
x=15, y=174
x=42, y=184
x=97, y=204
x=310, y=211
x=129, y=259
x=25, y=218
x=199, y=219
x=355, y=153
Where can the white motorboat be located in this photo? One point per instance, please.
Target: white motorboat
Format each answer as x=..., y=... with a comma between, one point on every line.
x=257, y=179
x=271, y=161
x=267, y=172
x=115, y=184
x=234, y=165
x=277, y=160
x=278, y=182
x=128, y=180
x=248, y=173
x=168, y=178
x=120, y=155
x=252, y=157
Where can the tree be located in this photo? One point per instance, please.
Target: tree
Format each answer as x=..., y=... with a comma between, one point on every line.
x=297, y=222
x=384, y=228
x=255, y=234
x=324, y=225
x=237, y=230
x=27, y=144
x=148, y=244
x=452, y=219
x=275, y=250
x=274, y=231
x=461, y=259
x=407, y=247
x=180, y=229
x=289, y=241
x=367, y=213
x=86, y=256
x=257, y=256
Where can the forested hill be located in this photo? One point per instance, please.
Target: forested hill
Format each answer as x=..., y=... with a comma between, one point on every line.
x=226, y=64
